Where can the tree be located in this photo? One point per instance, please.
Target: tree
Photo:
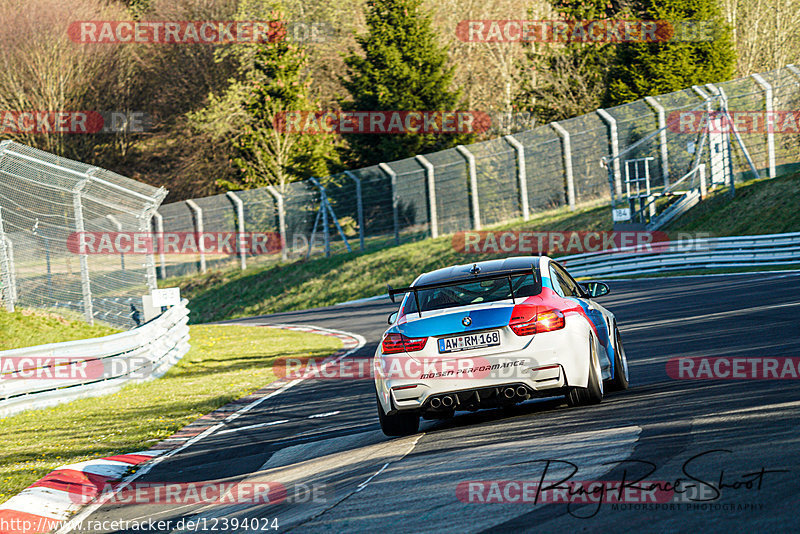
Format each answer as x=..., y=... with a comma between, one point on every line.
x=648, y=69
x=402, y=68
x=245, y=119
x=569, y=79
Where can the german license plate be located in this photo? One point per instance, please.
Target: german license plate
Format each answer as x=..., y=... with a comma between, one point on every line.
x=469, y=341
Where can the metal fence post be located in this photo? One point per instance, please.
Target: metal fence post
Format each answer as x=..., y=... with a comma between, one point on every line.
x=614, y=137
x=149, y=260
x=323, y=207
x=473, y=186
x=701, y=172
x=326, y=208
x=159, y=241
x=237, y=202
x=566, y=151
x=522, y=176
x=198, y=228
x=118, y=225
x=281, y=219
x=769, y=122
x=359, y=207
x=395, y=200
x=12, y=268
x=86, y=287
x=434, y=216
x=662, y=136
x=6, y=269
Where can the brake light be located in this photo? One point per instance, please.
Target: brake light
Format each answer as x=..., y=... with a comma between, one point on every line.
x=545, y=321
x=394, y=343
x=549, y=320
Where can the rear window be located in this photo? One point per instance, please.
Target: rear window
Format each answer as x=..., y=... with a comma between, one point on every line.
x=468, y=292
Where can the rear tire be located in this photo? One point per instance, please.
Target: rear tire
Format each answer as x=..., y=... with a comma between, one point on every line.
x=593, y=393
x=620, y=380
x=399, y=424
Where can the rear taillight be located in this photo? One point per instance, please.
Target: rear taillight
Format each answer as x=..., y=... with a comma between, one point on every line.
x=549, y=320
x=545, y=321
x=394, y=343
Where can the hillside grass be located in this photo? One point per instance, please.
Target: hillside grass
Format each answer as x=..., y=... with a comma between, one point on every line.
x=28, y=327
x=760, y=206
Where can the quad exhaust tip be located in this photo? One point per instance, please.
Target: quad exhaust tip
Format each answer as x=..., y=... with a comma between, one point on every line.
x=522, y=391
x=435, y=403
x=447, y=401
x=509, y=393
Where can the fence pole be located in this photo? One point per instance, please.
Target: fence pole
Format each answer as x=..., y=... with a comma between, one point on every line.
x=145, y=225
x=395, y=200
x=12, y=268
x=738, y=141
x=522, y=177
x=159, y=241
x=473, y=186
x=614, y=137
x=662, y=141
x=239, y=205
x=701, y=172
x=434, y=216
x=323, y=208
x=566, y=152
x=199, y=229
x=86, y=287
x=770, y=121
x=281, y=219
x=359, y=208
x=6, y=268
x=118, y=225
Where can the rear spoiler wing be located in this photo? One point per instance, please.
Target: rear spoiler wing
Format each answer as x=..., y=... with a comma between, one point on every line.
x=497, y=275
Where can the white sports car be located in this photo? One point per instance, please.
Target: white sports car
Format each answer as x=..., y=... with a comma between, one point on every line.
x=491, y=334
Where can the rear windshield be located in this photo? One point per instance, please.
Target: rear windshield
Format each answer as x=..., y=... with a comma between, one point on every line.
x=468, y=292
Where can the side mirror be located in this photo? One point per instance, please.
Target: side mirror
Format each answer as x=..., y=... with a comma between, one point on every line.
x=596, y=289
x=393, y=318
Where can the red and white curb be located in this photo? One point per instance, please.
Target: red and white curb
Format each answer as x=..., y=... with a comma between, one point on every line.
x=47, y=503
x=52, y=502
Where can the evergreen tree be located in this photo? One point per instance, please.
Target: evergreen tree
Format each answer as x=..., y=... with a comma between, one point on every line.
x=569, y=79
x=402, y=68
x=247, y=116
x=649, y=69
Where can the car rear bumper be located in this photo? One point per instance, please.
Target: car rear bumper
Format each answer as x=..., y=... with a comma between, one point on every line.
x=548, y=365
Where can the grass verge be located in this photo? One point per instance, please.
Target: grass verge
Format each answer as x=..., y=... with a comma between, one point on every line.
x=225, y=362
x=28, y=327
x=760, y=206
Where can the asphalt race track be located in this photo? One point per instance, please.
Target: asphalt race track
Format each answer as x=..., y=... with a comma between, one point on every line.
x=743, y=433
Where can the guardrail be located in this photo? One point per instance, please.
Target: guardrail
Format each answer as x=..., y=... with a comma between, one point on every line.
x=709, y=253
x=45, y=375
